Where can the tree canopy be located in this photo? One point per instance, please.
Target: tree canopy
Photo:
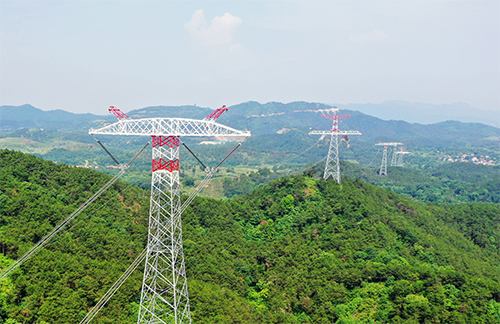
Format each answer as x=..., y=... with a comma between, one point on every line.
x=296, y=250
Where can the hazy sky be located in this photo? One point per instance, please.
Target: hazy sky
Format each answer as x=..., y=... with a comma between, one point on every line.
x=83, y=56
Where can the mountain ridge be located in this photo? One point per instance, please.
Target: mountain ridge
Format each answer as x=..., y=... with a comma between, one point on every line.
x=427, y=113
x=390, y=111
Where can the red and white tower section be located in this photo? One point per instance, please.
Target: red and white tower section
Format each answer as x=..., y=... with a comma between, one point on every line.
x=164, y=295
x=332, y=166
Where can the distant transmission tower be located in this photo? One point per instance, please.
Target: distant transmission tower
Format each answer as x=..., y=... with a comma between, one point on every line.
x=164, y=295
x=400, y=155
x=332, y=167
x=383, y=165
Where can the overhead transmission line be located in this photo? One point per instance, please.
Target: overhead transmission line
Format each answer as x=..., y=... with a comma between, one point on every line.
x=203, y=183
x=15, y=161
x=305, y=151
x=309, y=166
x=102, y=205
x=302, y=152
x=374, y=158
x=107, y=296
x=33, y=250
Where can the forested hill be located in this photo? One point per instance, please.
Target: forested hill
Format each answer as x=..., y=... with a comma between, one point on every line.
x=297, y=250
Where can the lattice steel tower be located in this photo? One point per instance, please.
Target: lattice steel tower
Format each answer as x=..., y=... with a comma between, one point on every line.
x=400, y=154
x=332, y=167
x=383, y=165
x=164, y=295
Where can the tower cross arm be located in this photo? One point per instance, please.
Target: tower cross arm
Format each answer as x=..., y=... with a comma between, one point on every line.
x=390, y=144
x=329, y=132
x=168, y=127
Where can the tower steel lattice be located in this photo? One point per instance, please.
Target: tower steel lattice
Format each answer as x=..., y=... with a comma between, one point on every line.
x=383, y=165
x=400, y=155
x=332, y=166
x=164, y=294
x=394, y=159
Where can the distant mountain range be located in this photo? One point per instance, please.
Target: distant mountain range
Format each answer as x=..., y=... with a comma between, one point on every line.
x=275, y=127
x=13, y=117
x=428, y=114
x=27, y=116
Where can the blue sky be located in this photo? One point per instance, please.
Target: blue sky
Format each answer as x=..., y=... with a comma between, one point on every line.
x=83, y=56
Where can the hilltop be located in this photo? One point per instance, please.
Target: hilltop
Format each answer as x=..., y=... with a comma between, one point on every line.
x=26, y=116
x=296, y=250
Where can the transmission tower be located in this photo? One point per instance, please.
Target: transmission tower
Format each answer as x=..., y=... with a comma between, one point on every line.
x=383, y=165
x=164, y=294
x=400, y=155
x=332, y=167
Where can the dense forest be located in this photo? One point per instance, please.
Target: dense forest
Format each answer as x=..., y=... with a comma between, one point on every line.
x=296, y=250
x=449, y=182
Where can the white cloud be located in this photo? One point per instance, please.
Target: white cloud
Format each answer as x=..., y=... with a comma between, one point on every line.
x=220, y=32
x=377, y=35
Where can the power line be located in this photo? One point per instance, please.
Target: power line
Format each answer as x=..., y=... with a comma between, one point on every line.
x=102, y=205
x=119, y=282
x=59, y=227
x=33, y=250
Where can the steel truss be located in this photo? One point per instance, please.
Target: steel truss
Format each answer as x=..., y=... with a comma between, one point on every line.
x=400, y=155
x=164, y=297
x=164, y=294
x=383, y=165
x=332, y=166
x=168, y=127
